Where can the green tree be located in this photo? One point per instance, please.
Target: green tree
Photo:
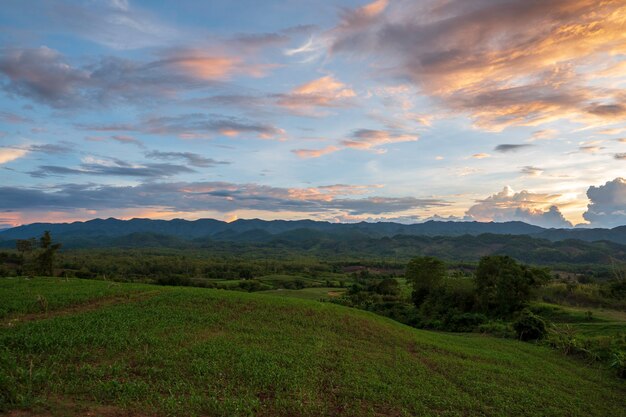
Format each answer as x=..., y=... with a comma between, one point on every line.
x=424, y=273
x=46, y=257
x=26, y=247
x=504, y=286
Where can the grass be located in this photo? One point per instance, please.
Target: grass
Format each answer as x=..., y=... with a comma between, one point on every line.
x=21, y=296
x=587, y=321
x=172, y=351
x=314, y=293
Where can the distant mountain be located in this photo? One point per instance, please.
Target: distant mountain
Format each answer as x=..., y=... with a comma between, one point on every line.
x=255, y=230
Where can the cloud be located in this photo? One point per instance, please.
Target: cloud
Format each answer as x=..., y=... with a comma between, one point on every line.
x=202, y=65
x=620, y=156
x=11, y=154
x=365, y=139
x=506, y=147
x=503, y=63
x=112, y=167
x=322, y=92
x=193, y=125
x=193, y=159
x=543, y=134
x=507, y=205
x=114, y=24
x=8, y=117
x=315, y=153
x=124, y=139
x=532, y=171
x=481, y=155
x=203, y=196
x=41, y=74
x=607, y=206
x=53, y=148
x=361, y=139
x=45, y=76
x=590, y=148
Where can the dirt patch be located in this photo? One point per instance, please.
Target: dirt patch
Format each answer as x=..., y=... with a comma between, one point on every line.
x=66, y=408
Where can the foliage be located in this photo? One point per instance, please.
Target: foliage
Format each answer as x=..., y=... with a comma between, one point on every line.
x=504, y=286
x=529, y=326
x=424, y=274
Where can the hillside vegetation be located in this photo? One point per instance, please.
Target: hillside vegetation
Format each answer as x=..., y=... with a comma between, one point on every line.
x=78, y=347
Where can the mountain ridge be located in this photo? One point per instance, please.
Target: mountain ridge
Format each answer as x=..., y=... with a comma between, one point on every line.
x=217, y=229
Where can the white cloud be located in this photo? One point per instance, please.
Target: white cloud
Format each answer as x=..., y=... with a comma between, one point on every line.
x=607, y=207
x=507, y=205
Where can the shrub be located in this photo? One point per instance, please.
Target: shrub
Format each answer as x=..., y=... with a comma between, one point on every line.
x=618, y=362
x=529, y=326
x=497, y=328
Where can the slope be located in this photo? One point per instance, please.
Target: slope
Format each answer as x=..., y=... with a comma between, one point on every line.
x=73, y=347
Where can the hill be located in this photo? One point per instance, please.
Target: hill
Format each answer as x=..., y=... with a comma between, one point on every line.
x=257, y=230
x=73, y=348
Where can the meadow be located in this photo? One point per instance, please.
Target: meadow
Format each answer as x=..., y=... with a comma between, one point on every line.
x=131, y=349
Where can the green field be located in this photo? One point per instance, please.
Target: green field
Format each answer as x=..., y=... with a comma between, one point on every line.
x=315, y=293
x=96, y=348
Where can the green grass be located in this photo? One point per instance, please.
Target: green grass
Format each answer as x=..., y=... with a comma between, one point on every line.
x=316, y=293
x=601, y=322
x=200, y=352
x=20, y=295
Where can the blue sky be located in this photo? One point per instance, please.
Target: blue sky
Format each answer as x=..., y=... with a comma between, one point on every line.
x=340, y=111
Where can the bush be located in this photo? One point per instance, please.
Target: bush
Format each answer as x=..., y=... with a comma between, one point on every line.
x=465, y=322
x=529, y=326
x=618, y=362
x=497, y=328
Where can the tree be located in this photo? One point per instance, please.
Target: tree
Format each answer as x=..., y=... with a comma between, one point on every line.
x=424, y=274
x=45, y=259
x=504, y=286
x=26, y=247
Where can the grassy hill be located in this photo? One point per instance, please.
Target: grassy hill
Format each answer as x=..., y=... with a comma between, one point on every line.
x=75, y=348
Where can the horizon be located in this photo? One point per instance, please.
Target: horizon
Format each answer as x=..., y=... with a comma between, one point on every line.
x=348, y=111
x=429, y=220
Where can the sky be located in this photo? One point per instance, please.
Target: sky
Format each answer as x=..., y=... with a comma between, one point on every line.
x=343, y=111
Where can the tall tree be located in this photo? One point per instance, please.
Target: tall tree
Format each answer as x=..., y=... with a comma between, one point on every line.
x=424, y=274
x=45, y=260
x=505, y=286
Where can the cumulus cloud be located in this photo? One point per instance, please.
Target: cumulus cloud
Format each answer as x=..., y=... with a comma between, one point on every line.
x=607, y=207
x=507, y=205
x=216, y=196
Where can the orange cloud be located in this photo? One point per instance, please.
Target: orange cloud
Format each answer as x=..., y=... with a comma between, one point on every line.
x=11, y=154
x=322, y=92
x=481, y=155
x=519, y=64
x=365, y=139
x=315, y=153
x=209, y=67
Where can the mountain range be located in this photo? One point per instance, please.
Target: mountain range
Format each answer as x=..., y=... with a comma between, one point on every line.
x=260, y=230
